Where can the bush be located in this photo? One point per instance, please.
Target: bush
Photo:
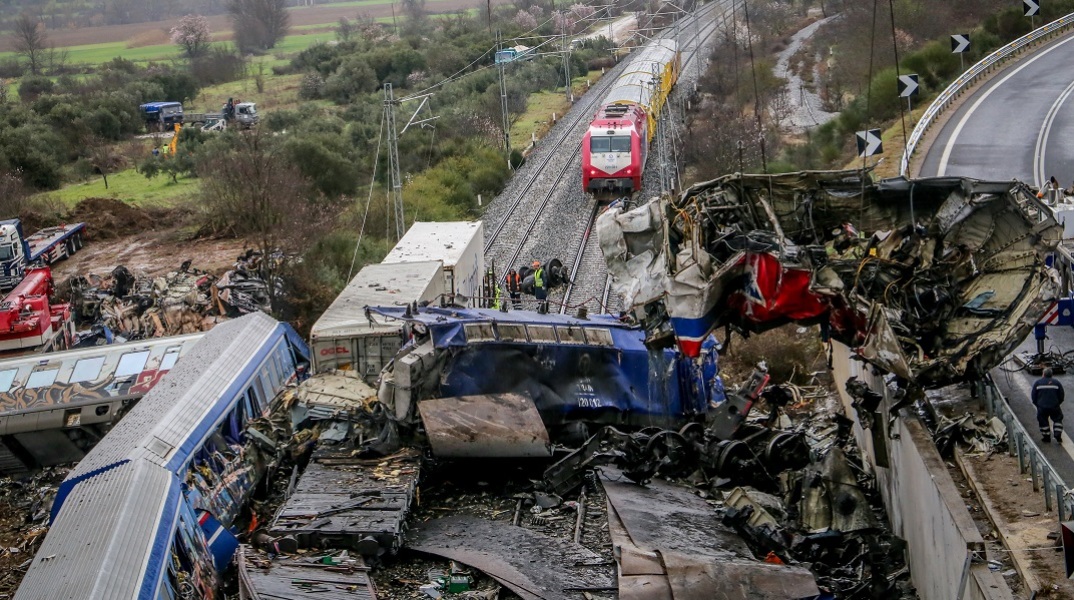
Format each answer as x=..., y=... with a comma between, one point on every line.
x=219, y=65
x=32, y=86
x=10, y=68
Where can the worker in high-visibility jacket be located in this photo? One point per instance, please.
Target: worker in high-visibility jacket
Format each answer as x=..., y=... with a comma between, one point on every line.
x=514, y=288
x=539, y=289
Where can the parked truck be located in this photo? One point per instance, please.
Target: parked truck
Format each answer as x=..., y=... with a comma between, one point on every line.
x=458, y=245
x=245, y=116
x=347, y=337
x=29, y=321
x=19, y=251
x=161, y=116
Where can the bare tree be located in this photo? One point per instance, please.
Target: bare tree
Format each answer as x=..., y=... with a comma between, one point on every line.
x=31, y=42
x=102, y=156
x=192, y=34
x=253, y=191
x=259, y=24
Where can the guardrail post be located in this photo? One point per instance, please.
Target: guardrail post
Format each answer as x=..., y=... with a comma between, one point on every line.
x=1012, y=442
x=1021, y=454
x=1033, y=472
x=1047, y=490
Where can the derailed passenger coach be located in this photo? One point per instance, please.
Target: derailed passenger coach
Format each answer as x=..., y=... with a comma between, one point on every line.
x=933, y=280
x=145, y=514
x=550, y=373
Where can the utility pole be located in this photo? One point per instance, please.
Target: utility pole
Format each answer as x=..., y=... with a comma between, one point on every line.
x=396, y=179
x=503, y=104
x=566, y=61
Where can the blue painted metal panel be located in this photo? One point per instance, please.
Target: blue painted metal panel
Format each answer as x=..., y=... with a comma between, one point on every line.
x=624, y=382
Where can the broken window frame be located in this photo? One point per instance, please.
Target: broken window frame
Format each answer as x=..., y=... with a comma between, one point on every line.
x=509, y=332
x=479, y=332
x=599, y=336
x=7, y=381
x=171, y=356
x=84, y=371
x=542, y=333
x=127, y=360
x=569, y=334
x=37, y=380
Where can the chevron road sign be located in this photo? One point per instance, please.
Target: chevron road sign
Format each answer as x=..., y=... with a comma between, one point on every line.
x=869, y=143
x=908, y=86
x=959, y=42
x=1032, y=7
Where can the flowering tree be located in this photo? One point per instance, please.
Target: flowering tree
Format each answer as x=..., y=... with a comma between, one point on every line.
x=561, y=22
x=526, y=20
x=192, y=35
x=580, y=13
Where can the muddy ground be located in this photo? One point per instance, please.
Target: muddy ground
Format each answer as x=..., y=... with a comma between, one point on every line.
x=152, y=240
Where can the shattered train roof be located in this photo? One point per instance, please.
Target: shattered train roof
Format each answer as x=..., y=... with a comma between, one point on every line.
x=931, y=279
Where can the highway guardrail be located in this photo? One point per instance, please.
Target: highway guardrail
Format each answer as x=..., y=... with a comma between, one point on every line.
x=986, y=66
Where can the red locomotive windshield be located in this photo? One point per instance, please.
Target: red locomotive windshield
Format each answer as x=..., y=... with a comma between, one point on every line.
x=609, y=143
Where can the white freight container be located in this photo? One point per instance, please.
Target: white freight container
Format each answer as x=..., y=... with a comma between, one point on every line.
x=346, y=338
x=460, y=245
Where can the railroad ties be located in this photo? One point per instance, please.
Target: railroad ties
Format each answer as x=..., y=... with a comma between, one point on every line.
x=350, y=503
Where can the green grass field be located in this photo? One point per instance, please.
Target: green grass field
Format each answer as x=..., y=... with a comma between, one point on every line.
x=539, y=108
x=129, y=186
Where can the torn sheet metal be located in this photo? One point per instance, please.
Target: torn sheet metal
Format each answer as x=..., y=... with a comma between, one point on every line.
x=625, y=238
x=493, y=425
x=280, y=578
x=534, y=566
x=668, y=539
x=832, y=499
x=957, y=265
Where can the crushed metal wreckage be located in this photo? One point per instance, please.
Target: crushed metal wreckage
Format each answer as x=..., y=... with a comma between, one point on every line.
x=934, y=280
x=136, y=306
x=689, y=508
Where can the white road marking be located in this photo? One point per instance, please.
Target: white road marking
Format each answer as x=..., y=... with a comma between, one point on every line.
x=942, y=170
x=1045, y=131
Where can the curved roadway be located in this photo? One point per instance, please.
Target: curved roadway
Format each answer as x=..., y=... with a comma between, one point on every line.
x=1019, y=125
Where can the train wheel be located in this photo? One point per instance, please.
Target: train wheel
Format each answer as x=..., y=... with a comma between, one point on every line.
x=78, y=242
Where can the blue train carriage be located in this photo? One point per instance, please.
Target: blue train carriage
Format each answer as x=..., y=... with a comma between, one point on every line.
x=145, y=514
x=572, y=371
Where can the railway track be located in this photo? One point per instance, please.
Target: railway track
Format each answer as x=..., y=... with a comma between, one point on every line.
x=590, y=285
x=533, y=211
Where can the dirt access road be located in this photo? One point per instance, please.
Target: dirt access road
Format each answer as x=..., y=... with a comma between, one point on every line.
x=300, y=16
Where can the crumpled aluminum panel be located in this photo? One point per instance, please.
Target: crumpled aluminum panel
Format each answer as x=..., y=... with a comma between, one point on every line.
x=533, y=565
x=670, y=545
x=491, y=425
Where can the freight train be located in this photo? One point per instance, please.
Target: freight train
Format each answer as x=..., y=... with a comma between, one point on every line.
x=616, y=145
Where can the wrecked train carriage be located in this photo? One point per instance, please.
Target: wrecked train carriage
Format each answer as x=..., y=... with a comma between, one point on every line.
x=931, y=279
x=528, y=374
x=146, y=513
x=54, y=407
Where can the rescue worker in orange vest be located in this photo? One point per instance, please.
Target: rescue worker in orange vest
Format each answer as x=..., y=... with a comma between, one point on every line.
x=514, y=288
x=539, y=289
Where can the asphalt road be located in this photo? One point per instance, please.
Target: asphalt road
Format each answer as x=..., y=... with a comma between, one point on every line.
x=1019, y=125
x=1016, y=126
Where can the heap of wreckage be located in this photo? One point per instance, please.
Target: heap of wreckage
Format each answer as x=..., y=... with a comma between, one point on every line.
x=699, y=495
x=135, y=306
x=933, y=280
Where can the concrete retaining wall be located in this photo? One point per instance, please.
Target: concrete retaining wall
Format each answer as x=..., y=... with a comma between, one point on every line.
x=923, y=503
